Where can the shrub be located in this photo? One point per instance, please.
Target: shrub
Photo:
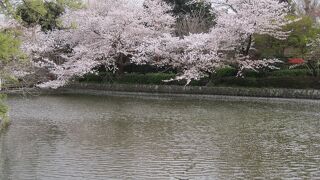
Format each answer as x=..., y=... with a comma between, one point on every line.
x=43, y=13
x=289, y=73
x=149, y=78
x=4, y=120
x=226, y=72
x=275, y=82
x=236, y=81
x=294, y=78
x=129, y=78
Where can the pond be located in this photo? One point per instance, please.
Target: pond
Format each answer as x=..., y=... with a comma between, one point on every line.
x=125, y=137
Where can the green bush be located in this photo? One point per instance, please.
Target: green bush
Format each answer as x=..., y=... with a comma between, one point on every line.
x=3, y=107
x=294, y=78
x=290, y=82
x=136, y=78
x=289, y=73
x=91, y=78
x=9, y=46
x=43, y=13
x=232, y=72
x=4, y=120
x=129, y=78
x=226, y=72
x=236, y=81
x=150, y=78
x=275, y=82
x=254, y=74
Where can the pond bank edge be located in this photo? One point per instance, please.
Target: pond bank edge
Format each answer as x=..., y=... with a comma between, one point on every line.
x=138, y=89
x=100, y=89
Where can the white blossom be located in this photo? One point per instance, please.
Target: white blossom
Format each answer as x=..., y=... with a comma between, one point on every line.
x=104, y=32
x=100, y=34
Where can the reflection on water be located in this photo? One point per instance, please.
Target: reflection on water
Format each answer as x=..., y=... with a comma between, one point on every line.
x=89, y=137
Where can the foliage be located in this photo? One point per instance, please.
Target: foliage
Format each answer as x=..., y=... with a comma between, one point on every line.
x=12, y=57
x=113, y=33
x=289, y=78
x=44, y=13
x=192, y=16
x=313, y=56
x=182, y=7
x=231, y=72
x=4, y=120
x=13, y=64
x=6, y=8
x=3, y=108
x=71, y=4
x=106, y=34
x=198, y=55
x=150, y=78
x=309, y=8
x=226, y=72
x=50, y=20
x=137, y=78
x=302, y=32
x=9, y=46
x=290, y=73
x=298, y=82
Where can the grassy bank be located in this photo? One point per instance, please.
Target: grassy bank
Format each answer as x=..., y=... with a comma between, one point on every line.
x=4, y=119
x=5, y=123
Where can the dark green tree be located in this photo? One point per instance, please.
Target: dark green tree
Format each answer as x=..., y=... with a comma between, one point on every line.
x=192, y=17
x=10, y=55
x=37, y=12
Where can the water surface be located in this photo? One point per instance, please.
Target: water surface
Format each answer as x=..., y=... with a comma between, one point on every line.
x=89, y=137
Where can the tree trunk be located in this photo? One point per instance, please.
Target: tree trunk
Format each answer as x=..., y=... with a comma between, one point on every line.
x=120, y=65
x=247, y=50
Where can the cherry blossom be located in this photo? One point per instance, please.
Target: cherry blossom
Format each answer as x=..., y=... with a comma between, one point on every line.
x=108, y=32
x=101, y=34
x=199, y=55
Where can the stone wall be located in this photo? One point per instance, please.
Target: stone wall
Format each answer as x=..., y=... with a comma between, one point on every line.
x=194, y=90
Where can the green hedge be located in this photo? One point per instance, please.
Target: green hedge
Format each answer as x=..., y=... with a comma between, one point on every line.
x=136, y=78
x=132, y=78
x=276, y=82
x=231, y=72
x=226, y=72
x=290, y=73
x=289, y=78
x=149, y=78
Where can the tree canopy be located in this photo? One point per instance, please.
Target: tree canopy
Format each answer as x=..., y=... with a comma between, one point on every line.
x=36, y=12
x=192, y=16
x=301, y=32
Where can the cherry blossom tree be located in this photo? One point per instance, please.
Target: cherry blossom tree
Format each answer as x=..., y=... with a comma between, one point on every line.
x=110, y=32
x=193, y=56
x=237, y=21
x=243, y=18
x=310, y=8
x=105, y=33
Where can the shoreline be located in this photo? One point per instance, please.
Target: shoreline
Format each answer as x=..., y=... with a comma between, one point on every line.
x=100, y=89
x=180, y=91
